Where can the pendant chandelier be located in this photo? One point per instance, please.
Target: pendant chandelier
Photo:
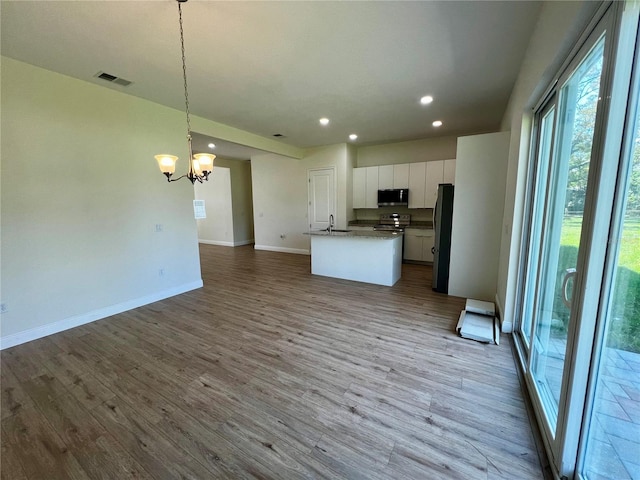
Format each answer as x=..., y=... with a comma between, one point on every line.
x=200, y=164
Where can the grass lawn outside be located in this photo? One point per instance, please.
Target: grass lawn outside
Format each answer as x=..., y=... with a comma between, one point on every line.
x=624, y=323
x=629, y=256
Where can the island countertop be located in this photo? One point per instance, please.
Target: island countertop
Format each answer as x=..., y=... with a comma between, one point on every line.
x=355, y=233
x=362, y=256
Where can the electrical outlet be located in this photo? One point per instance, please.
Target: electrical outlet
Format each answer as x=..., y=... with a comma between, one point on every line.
x=159, y=227
x=4, y=308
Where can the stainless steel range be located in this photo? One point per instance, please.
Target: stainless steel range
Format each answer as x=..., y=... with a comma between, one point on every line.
x=393, y=222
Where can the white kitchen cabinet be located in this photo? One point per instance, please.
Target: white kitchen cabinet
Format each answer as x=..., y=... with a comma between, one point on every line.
x=449, y=174
x=393, y=176
x=417, y=176
x=371, y=200
x=434, y=176
x=365, y=187
x=401, y=175
x=421, y=178
x=359, y=187
x=385, y=177
x=428, y=243
x=418, y=244
x=424, y=178
x=412, y=247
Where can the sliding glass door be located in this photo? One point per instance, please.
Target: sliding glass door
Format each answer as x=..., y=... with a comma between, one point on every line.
x=559, y=240
x=579, y=321
x=611, y=439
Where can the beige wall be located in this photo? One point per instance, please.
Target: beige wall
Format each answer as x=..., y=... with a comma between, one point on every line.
x=558, y=27
x=442, y=148
x=242, y=199
x=279, y=203
x=477, y=215
x=81, y=197
x=280, y=196
x=217, y=228
x=229, y=204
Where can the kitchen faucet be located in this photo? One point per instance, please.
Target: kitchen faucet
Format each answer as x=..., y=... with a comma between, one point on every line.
x=330, y=229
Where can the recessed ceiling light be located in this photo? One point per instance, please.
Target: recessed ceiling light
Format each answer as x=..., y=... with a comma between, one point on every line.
x=212, y=145
x=426, y=100
x=353, y=136
x=437, y=123
x=324, y=121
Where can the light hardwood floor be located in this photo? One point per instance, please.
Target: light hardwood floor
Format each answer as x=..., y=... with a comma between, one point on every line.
x=269, y=372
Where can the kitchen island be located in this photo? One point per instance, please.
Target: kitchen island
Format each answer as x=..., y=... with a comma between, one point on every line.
x=370, y=257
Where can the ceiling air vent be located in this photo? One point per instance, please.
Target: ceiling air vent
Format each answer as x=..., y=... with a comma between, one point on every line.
x=113, y=79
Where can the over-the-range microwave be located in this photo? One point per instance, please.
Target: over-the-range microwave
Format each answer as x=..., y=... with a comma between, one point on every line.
x=393, y=197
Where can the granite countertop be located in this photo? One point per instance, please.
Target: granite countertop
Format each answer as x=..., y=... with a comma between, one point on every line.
x=421, y=225
x=371, y=223
x=355, y=233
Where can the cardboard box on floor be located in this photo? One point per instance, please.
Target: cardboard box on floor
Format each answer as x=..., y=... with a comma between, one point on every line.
x=478, y=322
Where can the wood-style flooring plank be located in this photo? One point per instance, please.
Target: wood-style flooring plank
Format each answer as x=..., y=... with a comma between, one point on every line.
x=38, y=448
x=11, y=467
x=269, y=372
x=158, y=456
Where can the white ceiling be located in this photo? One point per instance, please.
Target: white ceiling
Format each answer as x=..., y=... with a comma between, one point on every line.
x=277, y=67
x=223, y=148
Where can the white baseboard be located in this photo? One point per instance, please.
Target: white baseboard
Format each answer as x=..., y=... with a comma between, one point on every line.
x=505, y=326
x=299, y=251
x=244, y=242
x=216, y=242
x=77, y=320
x=226, y=244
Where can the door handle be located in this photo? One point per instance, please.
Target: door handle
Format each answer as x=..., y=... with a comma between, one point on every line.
x=433, y=250
x=569, y=273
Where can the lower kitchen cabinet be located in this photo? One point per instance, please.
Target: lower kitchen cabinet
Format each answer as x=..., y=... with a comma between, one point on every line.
x=418, y=244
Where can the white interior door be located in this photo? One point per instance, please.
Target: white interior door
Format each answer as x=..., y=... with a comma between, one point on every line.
x=322, y=193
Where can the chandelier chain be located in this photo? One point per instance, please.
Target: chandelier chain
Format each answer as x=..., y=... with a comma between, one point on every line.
x=184, y=73
x=200, y=165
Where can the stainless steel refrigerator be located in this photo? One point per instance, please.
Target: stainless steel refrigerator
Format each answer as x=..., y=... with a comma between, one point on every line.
x=442, y=219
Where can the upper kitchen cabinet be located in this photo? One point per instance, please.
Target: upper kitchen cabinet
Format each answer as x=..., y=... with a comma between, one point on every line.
x=449, y=172
x=365, y=187
x=393, y=176
x=385, y=177
x=359, y=187
x=401, y=175
x=435, y=175
x=417, y=176
x=424, y=178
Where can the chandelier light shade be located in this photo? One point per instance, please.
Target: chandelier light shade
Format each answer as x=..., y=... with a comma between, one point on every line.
x=205, y=160
x=167, y=164
x=200, y=164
